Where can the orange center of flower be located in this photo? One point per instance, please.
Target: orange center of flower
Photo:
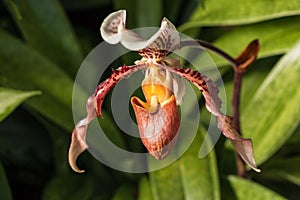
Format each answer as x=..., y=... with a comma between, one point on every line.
x=156, y=89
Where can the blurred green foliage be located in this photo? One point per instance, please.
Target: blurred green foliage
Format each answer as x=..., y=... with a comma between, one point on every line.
x=42, y=44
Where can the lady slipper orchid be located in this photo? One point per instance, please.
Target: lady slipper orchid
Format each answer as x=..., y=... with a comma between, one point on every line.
x=157, y=118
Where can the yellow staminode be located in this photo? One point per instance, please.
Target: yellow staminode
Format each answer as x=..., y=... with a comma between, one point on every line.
x=156, y=88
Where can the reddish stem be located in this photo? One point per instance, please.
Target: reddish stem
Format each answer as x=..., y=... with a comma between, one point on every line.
x=237, y=86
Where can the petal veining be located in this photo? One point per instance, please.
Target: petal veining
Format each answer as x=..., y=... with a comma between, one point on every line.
x=164, y=40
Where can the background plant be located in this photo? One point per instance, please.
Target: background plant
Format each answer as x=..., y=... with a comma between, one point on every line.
x=43, y=44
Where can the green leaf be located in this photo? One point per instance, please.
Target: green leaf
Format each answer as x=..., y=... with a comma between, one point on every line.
x=172, y=10
x=248, y=190
x=287, y=29
x=199, y=176
x=25, y=69
x=223, y=12
x=78, y=5
x=69, y=186
x=111, y=130
x=291, y=147
x=149, y=13
x=295, y=138
x=166, y=183
x=252, y=79
x=124, y=192
x=10, y=99
x=141, y=13
x=274, y=113
x=145, y=189
x=5, y=189
x=131, y=8
x=187, y=9
x=26, y=149
x=46, y=28
x=189, y=177
x=287, y=169
x=267, y=33
x=60, y=145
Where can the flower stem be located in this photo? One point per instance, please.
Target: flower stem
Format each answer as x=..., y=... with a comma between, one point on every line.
x=243, y=61
x=237, y=85
x=205, y=45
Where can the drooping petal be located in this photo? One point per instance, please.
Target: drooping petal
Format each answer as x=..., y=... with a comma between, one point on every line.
x=78, y=143
x=213, y=104
x=206, y=86
x=243, y=146
x=93, y=108
x=104, y=87
x=113, y=31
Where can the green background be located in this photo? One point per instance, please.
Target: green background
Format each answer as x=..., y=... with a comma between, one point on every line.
x=42, y=44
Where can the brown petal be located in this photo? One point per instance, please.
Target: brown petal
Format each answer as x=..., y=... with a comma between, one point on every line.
x=157, y=130
x=78, y=143
x=247, y=56
x=206, y=86
x=213, y=104
x=93, y=108
x=243, y=146
x=104, y=87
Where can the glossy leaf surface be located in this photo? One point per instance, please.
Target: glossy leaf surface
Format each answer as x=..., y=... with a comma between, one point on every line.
x=271, y=117
x=45, y=27
x=181, y=180
x=11, y=98
x=286, y=29
x=216, y=12
x=32, y=71
x=5, y=189
x=248, y=190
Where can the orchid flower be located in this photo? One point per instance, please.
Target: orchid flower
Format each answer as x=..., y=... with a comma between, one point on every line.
x=158, y=118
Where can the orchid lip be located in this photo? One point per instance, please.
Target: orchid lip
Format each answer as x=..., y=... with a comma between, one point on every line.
x=158, y=130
